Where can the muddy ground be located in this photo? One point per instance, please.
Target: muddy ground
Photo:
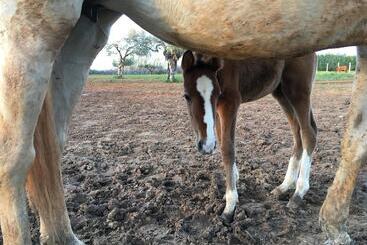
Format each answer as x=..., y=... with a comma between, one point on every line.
x=133, y=176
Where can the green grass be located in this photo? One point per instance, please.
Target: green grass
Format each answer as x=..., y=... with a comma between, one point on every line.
x=320, y=76
x=332, y=76
x=142, y=77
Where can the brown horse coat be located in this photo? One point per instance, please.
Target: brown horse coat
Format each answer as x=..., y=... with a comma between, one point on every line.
x=229, y=83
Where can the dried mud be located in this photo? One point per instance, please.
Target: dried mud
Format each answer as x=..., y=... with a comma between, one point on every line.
x=133, y=176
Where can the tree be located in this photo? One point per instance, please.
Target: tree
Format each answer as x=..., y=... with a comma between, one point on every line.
x=149, y=67
x=121, y=64
x=333, y=59
x=135, y=44
x=172, y=55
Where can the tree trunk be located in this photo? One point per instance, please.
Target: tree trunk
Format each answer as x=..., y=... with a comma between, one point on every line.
x=172, y=66
x=168, y=72
x=120, y=70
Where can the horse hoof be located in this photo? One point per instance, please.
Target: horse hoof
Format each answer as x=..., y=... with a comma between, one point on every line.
x=227, y=219
x=71, y=240
x=335, y=236
x=278, y=194
x=295, y=202
x=336, y=232
x=343, y=239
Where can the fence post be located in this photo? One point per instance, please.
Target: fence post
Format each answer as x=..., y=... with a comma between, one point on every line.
x=350, y=66
x=327, y=66
x=338, y=64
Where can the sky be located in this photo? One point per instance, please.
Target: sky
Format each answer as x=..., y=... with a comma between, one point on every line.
x=124, y=25
x=119, y=30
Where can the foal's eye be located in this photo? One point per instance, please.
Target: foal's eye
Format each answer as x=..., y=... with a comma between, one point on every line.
x=187, y=97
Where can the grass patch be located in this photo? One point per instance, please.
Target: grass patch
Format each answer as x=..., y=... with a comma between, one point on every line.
x=332, y=76
x=320, y=76
x=135, y=77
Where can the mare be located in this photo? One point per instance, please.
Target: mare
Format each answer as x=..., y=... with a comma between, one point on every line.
x=47, y=47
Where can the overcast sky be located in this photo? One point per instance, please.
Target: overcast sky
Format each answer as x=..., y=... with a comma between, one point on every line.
x=122, y=27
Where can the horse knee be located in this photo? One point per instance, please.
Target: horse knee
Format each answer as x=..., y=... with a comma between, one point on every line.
x=17, y=161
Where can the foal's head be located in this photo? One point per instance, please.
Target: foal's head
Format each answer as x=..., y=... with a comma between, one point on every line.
x=201, y=93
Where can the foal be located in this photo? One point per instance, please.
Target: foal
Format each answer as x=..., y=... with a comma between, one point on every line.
x=215, y=88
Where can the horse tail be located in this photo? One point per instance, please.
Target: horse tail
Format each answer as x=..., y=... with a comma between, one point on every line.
x=44, y=183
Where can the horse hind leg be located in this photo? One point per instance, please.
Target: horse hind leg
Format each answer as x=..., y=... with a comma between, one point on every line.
x=44, y=183
x=308, y=137
x=335, y=209
x=68, y=78
x=291, y=176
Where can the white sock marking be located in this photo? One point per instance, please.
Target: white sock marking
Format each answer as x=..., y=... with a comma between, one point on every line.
x=290, y=178
x=304, y=175
x=205, y=87
x=232, y=195
x=236, y=174
x=231, y=201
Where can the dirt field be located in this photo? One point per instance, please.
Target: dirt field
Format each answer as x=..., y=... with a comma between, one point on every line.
x=133, y=176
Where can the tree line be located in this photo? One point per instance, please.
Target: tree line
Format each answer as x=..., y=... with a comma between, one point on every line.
x=333, y=60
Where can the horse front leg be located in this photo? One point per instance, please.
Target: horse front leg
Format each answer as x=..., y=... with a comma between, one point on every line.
x=67, y=81
x=28, y=49
x=335, y=209
x=218, y=129
x=227, y=115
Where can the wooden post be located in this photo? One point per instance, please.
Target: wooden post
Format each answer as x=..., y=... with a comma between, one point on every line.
x=327, y=66
x=338, y=64
x=350, y=67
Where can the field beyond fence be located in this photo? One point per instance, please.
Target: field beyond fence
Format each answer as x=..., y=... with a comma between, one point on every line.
x=320, y=76
x=132, y=77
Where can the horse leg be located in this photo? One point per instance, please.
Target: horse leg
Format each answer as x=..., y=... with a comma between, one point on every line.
x=26, y=59
x=68, y=77
x=308, y=136
x=296, y=86
x=227, y=111
x=25, y=69
x=302, y=108
x=335, y=210
x=291, y=175
x=218, y=129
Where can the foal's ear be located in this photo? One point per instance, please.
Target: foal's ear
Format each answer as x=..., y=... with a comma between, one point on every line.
x=216, y=63
x=188, y=60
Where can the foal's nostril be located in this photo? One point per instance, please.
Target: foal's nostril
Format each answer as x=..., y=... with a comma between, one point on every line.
x=200, y=145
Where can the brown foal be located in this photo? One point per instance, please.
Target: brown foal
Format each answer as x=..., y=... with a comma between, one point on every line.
x=215, y=88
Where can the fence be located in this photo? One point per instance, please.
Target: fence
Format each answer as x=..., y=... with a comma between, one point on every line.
x=330, y=62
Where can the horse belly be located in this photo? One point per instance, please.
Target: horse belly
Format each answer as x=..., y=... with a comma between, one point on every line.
x=260, y=82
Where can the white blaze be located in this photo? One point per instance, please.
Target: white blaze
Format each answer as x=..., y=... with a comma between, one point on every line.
x=205, y=87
